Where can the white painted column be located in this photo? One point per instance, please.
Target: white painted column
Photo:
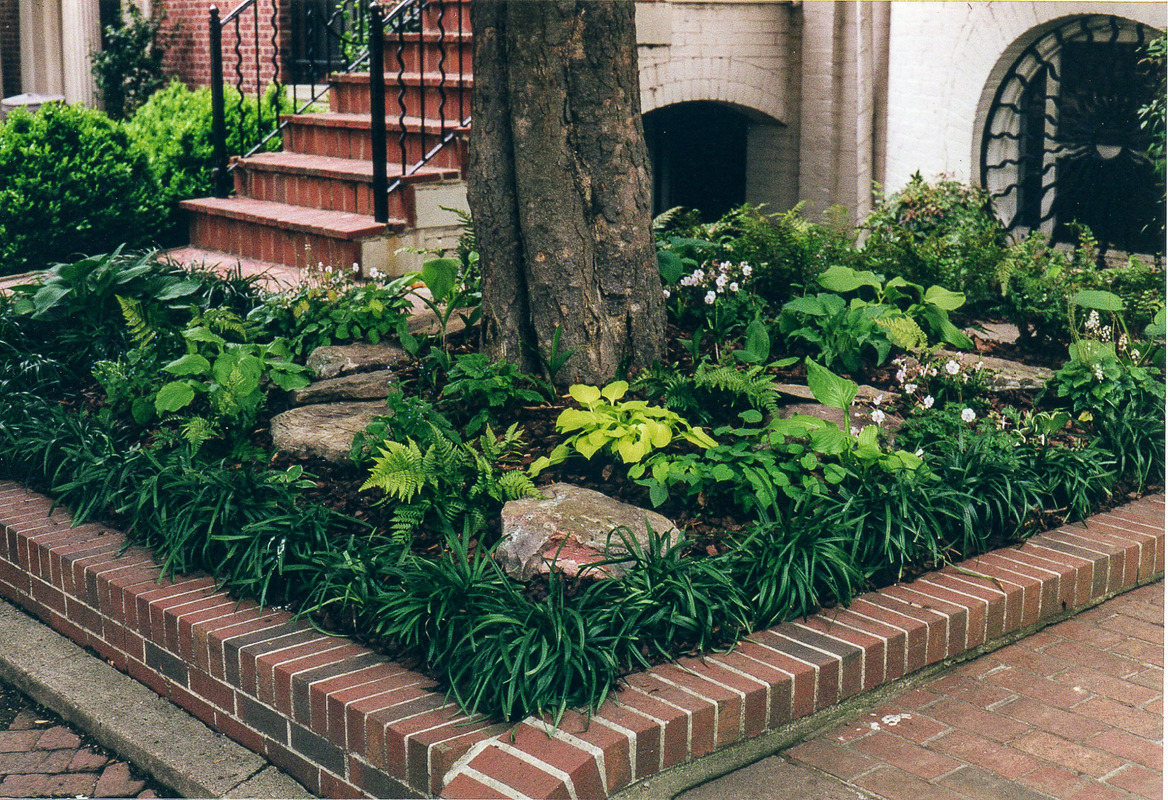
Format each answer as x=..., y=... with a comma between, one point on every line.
x=40, y=47
x=81, y=37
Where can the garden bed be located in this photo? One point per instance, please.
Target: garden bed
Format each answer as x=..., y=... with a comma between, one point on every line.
x=349, y=722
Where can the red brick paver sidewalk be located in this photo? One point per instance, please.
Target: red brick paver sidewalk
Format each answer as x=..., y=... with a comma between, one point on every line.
x=42, y=757
x=1074, y=712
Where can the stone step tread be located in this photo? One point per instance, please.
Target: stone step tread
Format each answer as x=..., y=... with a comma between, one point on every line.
x=346, y=169
x=331, y=224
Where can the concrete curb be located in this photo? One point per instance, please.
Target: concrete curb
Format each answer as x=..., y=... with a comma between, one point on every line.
x=130, y=719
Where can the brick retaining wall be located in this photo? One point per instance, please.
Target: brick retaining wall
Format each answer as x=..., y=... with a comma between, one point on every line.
x=348, y=722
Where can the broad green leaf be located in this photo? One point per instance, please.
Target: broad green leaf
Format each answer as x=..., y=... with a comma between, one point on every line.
x=943, y=298
x=614, y=391
x=633, y=450
x=829, y=388
x=751, y=416
x=573, y=419
x=830, y=441
x=173, y=396
x=201, y=334
x=1089, y=351
x=1156, y=328
x=834, y=473
x=47, y=297
x=699, y=437
x=584, y=394
x=289, y=381
x=805, y=305
x=179, y=289
x=1097, y=299
x=658, y=494
x=757, y=345
x=670, y=266
x=660, y=435
x=439, y=275
x=190, y=364
x=142, y=410
x=846, y=279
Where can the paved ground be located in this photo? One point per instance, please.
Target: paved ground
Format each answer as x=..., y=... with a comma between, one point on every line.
x=42, y=756
x=1074, y=712
x=50, y=759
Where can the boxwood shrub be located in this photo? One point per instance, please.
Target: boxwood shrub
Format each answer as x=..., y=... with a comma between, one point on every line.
x=71, y=182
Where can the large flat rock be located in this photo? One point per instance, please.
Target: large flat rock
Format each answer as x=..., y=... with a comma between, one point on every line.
x=334, y=361
x=571, y=526
x=359, y=386
x=322, y=431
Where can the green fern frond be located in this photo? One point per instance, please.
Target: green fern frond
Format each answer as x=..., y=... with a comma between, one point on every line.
x=407, y=520
x=197, y=431
x=904, y=332
x=141, y=332
x=752, y=384
x=516, y=484
x=399, y=471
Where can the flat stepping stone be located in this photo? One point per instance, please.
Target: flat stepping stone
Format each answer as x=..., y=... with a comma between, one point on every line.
x=360, y=386
x=571, y=525
x=334, y=361
x=1004, y=375
x=323, y=431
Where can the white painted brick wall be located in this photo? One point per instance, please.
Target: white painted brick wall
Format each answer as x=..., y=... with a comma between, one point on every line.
x=942, y=56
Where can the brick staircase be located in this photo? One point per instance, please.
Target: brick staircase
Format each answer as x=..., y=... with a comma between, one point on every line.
x=313, y=202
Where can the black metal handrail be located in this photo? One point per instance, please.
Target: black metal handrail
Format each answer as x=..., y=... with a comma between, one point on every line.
x=345, y=36
x=359, y=32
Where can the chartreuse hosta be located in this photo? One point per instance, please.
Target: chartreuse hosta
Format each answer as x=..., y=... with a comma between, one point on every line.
x=630, y=429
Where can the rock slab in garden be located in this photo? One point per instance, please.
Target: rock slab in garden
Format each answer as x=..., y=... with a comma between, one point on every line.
x=576, y=522
x=322, y=431
x=360, y=386
x=1005, y=375
x=334, y=361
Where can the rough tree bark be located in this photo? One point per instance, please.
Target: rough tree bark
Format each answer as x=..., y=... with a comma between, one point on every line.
x=560, y=187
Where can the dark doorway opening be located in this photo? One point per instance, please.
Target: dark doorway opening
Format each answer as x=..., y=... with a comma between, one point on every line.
x=698, y=154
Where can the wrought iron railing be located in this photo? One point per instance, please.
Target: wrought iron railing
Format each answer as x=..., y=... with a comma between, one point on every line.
x=336, y=37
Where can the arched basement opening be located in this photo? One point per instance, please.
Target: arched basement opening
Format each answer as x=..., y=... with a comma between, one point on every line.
x=698, y=154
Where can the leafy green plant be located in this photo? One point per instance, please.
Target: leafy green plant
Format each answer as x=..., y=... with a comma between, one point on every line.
x=944, y=233
x=85, y=301
x=451, y=286
x=409, y=417
x=450, y=485
x=328, y=308
x=229, y=376
x=713, y=393
x=630, y=429
x=794, y=565
x=128, y=67
x=715, y=296
x=73, y=184
x=491, y=387
x=173, y=129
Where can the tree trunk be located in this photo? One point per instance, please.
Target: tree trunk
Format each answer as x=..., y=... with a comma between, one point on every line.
x=560, y=187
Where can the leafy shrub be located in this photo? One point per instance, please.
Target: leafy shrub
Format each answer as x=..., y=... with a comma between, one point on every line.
x=173, y=129
x=81, y=305
x=901, y=313
x=1038, y=283
x=943, y=233
x=71, y=182
x=713, y=393
x=128, y=68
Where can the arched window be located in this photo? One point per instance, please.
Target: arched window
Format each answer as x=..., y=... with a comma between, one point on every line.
x=1062, y=141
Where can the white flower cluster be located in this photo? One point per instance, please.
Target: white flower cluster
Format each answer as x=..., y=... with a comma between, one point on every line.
x=1095, y=329
x=717, y=278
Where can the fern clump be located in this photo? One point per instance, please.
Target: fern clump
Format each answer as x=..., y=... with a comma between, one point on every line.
x=713, y=394
x=448, y=486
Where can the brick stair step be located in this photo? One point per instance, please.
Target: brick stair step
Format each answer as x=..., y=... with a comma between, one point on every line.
x=360, y=122
x=331, y=224
x=350, y=93
x=341, y=169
